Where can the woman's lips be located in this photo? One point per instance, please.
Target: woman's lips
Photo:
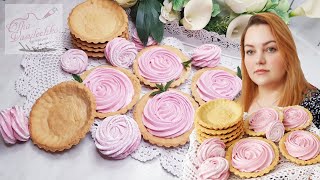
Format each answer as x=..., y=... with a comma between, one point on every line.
x=261, y=71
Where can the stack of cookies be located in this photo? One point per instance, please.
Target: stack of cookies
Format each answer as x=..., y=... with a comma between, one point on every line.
x=220, y=118
x=94, y=23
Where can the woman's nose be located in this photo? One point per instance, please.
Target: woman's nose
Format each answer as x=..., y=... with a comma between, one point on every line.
x=261, y=59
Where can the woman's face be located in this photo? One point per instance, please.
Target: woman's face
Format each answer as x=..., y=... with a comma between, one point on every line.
x=263, y=60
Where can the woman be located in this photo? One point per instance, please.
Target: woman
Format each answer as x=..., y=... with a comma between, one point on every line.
x=271, y=71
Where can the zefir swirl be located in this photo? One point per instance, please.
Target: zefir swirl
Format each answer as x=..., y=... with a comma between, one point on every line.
x=260, y=119
x=112, y=89
x=302, y=145
x=159, y=65
x=275, y=131
x=216, y=168
x=295, y=116
x=117, y=136
x=216, y=84
x=212, y=147
x=252, y=155
x=168, y=115
x=74, y=61
x=207, y=55
x=120, y=52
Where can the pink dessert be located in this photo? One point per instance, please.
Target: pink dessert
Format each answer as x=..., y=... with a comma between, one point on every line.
x=295, y=116
x=302, y=145
x=252, y=155
x=139, y=45
x=212, y=147
x=216, y=84
x=207, y=55
x=260, y=120
x=117, y=136
x=168, y=115
x=112, y=89
x=14, y=125
x=159, y=65
x=216, y=168
x=120, y=52
x=275, y=131
x=74, y=61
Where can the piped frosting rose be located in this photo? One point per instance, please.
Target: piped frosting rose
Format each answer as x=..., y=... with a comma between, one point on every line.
x=112, y=89
x=168, y=115
x=294, y=116
x=212, y=147
x=216, y=84
x=120, y=52
x=216, y=168
x=302, y=145
x=275, y=131
x=252, y=155
x=159, y=65
x=207, y=55
x=117, y=136
x=14, y=125
x=260, y=119
x=74, y=61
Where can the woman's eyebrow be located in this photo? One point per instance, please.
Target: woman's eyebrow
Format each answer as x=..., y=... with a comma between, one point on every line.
x=265, y=43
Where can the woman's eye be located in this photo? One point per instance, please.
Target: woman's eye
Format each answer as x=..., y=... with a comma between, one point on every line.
x=271, y=49
x=249, y=52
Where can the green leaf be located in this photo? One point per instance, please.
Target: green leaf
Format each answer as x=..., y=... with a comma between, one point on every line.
x=215, y=10
x=168, y=85
x=283, y=6
x=155, y=93
x=156, y=25
x=77, y=78
x=283, y=14
x=160, y=87
x=186, y=64
x=271, y=4
x=239, y=72
x=178, y=4
x=134, y=11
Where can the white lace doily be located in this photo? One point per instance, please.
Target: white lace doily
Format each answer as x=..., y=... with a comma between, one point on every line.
x=285, y=170
x=42, y=71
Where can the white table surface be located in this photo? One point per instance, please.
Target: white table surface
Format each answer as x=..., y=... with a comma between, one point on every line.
x=26, y=161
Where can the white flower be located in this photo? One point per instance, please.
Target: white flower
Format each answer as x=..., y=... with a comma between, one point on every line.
x=241, y=6
x=126, y=3
x=310, y=8
x=197, y=14
x=167, y=13
x=237, y=25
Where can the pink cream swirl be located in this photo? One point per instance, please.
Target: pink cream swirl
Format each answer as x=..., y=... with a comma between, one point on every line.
x=14, y=125
x=168, y=115
x=212, y=147
x=275, y=131
x=74, y=61
x=159, y=65
x=252, y=155
x=294, y=117
x=112, y=89
x=139, y=45
x=302, y=145
x=260, y=119
x=216, y=84
x=216, y=168
x=120, y=52
x=207, y=55
x=117, y=136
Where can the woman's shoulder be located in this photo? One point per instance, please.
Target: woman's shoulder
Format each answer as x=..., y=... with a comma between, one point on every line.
x=311, y=101
x=311, y=93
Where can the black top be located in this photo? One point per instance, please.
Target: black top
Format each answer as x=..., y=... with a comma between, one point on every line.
x=312, y=103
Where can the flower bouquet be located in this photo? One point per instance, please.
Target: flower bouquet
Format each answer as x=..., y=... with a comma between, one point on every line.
x=225, y=17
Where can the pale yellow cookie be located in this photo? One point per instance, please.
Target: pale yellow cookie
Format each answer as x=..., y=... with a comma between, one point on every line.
x=200, y=138
x=219, y=114
x=295, y=160
x=89, y=49
x=62, y=116
x=236, y=132
x=97, y=21
x=196, y=77
x=253, y=174
x=304, y=126
x=185, y=72
x=218, y=132
x=166, y=142
x=136, y=86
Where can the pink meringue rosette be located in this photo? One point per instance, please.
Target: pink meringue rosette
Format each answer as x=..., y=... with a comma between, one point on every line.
x=120, y=52
x=260, y=119
x=74, y=61
x=207, y=55
x=139, y=45
x=117, y=136
x=212, y=147
x=302, y=145
x=215, y=168
x=14, y=125
x=295, y=117
x=275, y=131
